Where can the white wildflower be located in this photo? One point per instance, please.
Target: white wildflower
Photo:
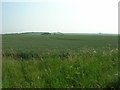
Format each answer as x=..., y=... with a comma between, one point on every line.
x=94, y=51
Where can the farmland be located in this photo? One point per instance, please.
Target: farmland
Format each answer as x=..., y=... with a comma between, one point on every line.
x=60, y=61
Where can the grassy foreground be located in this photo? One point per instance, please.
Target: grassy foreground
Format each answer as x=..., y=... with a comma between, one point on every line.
x=66, y=66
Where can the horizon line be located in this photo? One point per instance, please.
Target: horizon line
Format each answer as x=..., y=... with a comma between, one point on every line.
x=60, y=32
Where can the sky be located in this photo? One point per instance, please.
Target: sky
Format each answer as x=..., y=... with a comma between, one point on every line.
x=67, y=16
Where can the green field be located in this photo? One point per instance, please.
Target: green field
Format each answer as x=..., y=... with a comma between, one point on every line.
x=60, y=61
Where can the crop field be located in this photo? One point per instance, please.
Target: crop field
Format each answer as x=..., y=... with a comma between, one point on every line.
x=60, y=61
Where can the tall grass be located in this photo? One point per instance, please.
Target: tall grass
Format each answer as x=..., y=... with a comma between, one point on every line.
x=83, y=69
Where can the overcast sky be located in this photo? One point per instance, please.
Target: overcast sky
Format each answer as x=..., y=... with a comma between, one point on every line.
x=73, y=16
